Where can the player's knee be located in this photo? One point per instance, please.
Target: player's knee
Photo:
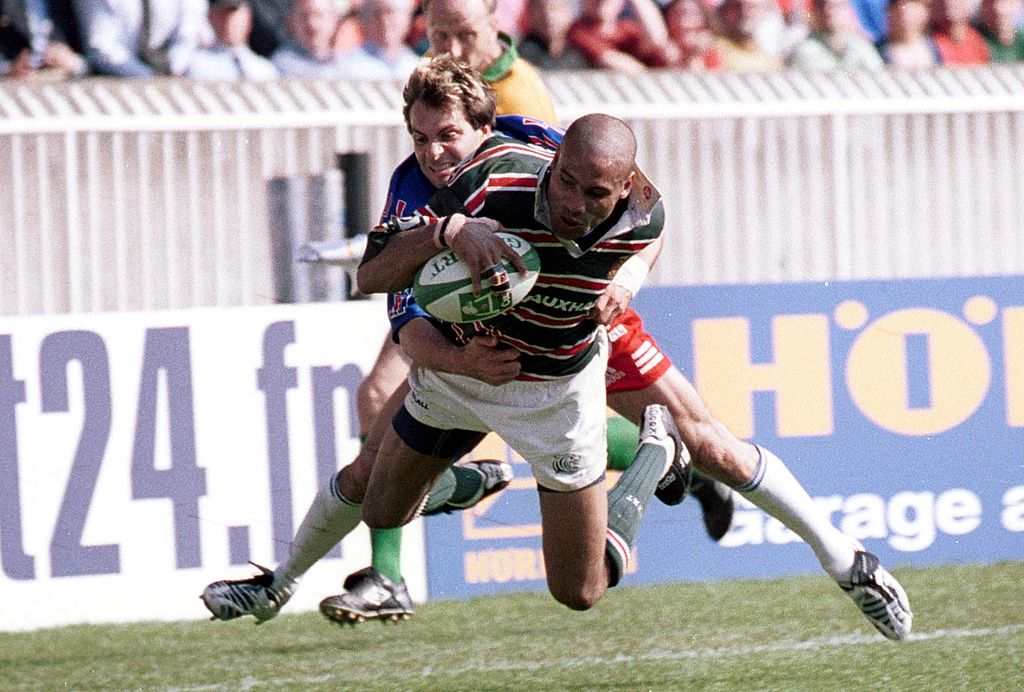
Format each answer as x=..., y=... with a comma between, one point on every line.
x=352, y=481
x=711, y=453
x=577, y=598
x=720, y=457
x=370, y=399
x=377, y=516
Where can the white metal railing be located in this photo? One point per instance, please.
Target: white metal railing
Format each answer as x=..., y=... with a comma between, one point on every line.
x=153, y=193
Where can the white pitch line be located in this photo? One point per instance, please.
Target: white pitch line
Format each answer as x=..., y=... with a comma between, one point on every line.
x=705, y=653
x=730, y=651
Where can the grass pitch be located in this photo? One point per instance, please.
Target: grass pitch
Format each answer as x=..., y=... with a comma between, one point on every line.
x=790, y=634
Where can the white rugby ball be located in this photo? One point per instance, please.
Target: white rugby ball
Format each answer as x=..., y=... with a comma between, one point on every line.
x=444, y=289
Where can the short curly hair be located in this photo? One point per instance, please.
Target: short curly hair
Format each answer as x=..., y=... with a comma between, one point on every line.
x=443, y=82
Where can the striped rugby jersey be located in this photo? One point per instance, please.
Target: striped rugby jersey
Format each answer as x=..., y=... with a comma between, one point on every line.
x=551, y=327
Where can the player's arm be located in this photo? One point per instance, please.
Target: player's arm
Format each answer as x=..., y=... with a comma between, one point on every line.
x=395, y=252
x=482, y=358
x=393, y=256
x=626, y=283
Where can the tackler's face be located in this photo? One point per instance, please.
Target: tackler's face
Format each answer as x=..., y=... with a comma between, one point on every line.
x=583, y=192
x=441, y=139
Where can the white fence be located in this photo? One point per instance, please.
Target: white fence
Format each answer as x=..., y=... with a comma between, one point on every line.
x=153, y=194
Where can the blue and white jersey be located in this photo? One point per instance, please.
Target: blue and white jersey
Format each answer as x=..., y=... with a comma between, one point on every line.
x=409, y=190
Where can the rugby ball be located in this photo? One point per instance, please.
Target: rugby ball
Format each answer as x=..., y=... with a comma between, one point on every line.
x=444, y=289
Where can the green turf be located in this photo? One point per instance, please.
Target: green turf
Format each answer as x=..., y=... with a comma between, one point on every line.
x=791, y=634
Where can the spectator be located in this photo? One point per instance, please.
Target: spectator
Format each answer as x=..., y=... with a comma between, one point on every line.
x=998, y=24
x=609, y=41
x=39, y=40
x=546, y=43
x=349, y=35
x=871, y=16
x=957, y=41
x=309, y=52
x=468, y=31
x=269, y=28
x=782, y=27
x=384, y=53
x=691, y=36
x=140, y=38
x=738, y=44
x=229, y=57
x=834, y=42
x=510, y=16
x=908, y=44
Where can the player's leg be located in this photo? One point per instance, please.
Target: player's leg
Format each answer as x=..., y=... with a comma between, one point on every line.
x=730, y=464
x=410, y=474
x=764, y=479
x=716, y=500
x=622, y=436
x=635, y=364
x=337, y=508
x=388, y=373
x=332, y=515
x=399, y=485
x=375, y=392
x=400, y=479
x=588, y=537
x=560, y=428
x=761, y=477
x=461, y=487
x=574, y=533
x=370, y=593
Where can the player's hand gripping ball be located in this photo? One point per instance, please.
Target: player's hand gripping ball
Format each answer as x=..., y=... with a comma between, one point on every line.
x=444, y=289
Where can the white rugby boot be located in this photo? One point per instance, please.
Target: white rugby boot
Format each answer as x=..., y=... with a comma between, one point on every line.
x=232, y=598
x=879, y=596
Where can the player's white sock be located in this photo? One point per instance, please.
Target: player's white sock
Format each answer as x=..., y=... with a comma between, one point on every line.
x=775, y=490
x=330, y=518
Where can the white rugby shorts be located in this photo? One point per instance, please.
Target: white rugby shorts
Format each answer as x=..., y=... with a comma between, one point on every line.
x=558, y=426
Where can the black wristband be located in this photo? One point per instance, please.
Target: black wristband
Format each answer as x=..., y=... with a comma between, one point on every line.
x=439, y=235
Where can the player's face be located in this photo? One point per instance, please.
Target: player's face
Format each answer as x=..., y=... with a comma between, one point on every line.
x=442, y=139
x=582, y=194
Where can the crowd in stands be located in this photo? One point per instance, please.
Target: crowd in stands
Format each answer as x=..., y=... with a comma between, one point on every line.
x=384, y=39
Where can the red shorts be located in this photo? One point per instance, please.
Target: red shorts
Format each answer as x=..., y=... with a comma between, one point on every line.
x=635, y=361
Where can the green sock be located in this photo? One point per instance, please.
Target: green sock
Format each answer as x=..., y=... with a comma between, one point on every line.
x=622, y=438
x=386, y=545
x=627, y=502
